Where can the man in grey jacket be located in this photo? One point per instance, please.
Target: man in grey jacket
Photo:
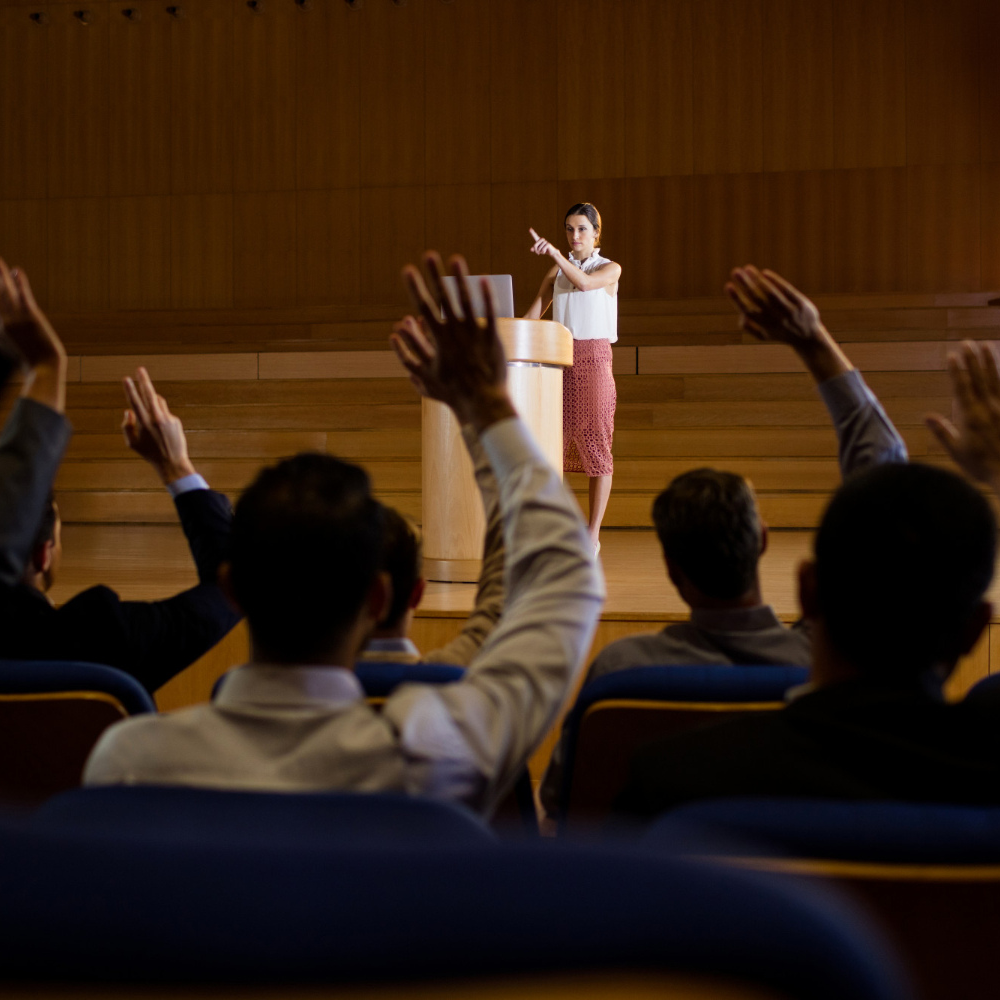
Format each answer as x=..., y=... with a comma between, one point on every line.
x=295, y=718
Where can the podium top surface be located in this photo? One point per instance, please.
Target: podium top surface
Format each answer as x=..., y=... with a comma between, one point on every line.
x=542, y=341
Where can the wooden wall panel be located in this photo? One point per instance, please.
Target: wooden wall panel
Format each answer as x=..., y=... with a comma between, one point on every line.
x=201, y=251
x=139, y=252
x=729, y=231
x=659, y=76
x=201, y=123
x=799, y=209
x=591, y=88
x=264, y=249
x=870, y=230
x=990, y=228
x=328, y=246
x=77, y=112
x=458, y=221
x=457, y=84
x=943, y=224
x=139, y=91
x=524, y=41
x=78, y=254
x=392, y=234
x=989, y=102
x=869, y=83
x=610, y=196
x=328, y=104
x=727, y=86
x=515, y=207
x=264, y=97
x=942, y=81
x=24, y=242
x=392, y=74
x=23, y=104
x=660, y=235
x=798, y=84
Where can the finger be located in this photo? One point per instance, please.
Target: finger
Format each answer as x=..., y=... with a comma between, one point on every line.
x=8, y=290
x=461, y=271
x=534, y=235
x=991, y=369
x=746, y=280
x=786, y=287
x=135, y=401
x=754, y=328
x=417, y=288
x=415, y=340
x=775, y=295
x=435, y=271
x=406, y=356
x=960, y=382
x=24, y=290
x=149, y=397
x=740, y=298
x=974, y=366
x=489, y=306
x=945, y=432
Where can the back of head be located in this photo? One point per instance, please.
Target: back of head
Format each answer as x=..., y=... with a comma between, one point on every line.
x=304, y=552
x=402, y=559
x=904, y=555
x=708, y=524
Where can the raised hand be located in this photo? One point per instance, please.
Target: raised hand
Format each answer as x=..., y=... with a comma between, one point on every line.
x=152, y=431
x=455, y=359
x=33, y=335
x=771, y=308
x=973, y=439
x=542, y=246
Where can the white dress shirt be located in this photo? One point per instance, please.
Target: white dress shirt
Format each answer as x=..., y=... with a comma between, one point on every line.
x=309, y=728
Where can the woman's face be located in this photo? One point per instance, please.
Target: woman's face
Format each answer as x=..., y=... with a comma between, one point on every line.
x=580, y=235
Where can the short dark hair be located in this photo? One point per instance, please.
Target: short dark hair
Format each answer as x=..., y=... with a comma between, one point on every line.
x=904, y=554
x=402, y=559
x=304, y=551
x=593, y=216
x=708, y=524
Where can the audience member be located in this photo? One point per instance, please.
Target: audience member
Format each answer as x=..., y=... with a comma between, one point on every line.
x=403, y=560
x=305, y=566
x=711, y=531
x=150, y=640
x=37, y=432
x=894, y=595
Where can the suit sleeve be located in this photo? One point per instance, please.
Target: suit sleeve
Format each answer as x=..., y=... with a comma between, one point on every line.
x=31, y=448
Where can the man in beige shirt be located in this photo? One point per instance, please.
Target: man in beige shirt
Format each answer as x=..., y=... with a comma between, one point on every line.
x=305, y=569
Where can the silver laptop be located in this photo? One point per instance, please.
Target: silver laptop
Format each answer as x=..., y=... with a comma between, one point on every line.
x=503, y=293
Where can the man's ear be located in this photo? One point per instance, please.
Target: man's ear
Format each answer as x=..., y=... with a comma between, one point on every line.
x=978, y=621
x=417, y=594
x=808, y=589
x=43, y=556
x=225, y=582
x=379, y=597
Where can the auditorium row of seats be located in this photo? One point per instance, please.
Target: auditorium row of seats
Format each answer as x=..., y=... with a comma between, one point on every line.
x=740, y=898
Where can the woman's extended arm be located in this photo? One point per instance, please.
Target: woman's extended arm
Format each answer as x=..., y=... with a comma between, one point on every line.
x=600, y=277
x=544, y=297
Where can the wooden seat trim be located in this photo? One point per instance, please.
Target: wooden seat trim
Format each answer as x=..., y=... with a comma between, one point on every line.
x=876, y=871
x=682, y=706
x=101, y=696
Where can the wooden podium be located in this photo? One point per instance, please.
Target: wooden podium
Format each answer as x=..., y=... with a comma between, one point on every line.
x=453, y=521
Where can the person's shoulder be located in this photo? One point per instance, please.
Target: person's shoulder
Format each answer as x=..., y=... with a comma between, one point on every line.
x=665, y=648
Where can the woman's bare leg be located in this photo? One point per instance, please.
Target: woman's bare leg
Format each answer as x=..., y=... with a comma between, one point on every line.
x=600, y=490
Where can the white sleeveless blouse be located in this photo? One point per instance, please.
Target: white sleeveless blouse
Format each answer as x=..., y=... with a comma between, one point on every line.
x=589, y=315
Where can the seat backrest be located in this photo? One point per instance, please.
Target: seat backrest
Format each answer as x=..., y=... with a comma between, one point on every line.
x=51, y=715
x=618, y=714
x=185, y=912
x=931, y=873
x=295, y=820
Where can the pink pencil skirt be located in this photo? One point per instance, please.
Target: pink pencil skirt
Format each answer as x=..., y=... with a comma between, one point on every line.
x=589, y=398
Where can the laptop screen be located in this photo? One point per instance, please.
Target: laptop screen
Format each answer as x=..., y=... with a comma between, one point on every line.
x=503, y=293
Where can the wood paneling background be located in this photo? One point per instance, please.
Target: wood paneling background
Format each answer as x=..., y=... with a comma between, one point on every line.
x=232, y=159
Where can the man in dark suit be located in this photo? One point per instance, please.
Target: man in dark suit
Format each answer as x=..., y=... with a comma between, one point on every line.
x=37, y=432
x=150, y=640
x=895, y=596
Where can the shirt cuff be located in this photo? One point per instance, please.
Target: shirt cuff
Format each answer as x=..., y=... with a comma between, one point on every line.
x=844, y=394
x=186, y=484
x=508, y=444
